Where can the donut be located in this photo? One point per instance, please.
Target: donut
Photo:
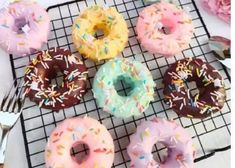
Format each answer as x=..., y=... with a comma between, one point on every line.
x=113, y=26
x=211, y=96
x=40, y=72
x=75, y=131
x=132, y=73
x=24, y=27
x=164, y=28
x=180, y=148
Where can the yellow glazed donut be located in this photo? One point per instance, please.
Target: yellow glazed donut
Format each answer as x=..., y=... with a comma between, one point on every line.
x=113, y=26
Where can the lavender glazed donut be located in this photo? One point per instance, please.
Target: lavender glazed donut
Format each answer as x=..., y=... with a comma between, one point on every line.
x=44, y=68
x=75, y=131
x=211, y=96
x=181, y=150
x=24, y=27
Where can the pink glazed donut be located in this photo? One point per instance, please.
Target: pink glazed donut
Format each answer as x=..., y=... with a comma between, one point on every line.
x=164, y=28
x=181, y=150
x=24, y=27
x=75, y=131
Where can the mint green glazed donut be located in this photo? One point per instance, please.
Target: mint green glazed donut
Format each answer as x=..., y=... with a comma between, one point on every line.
x=134, y=74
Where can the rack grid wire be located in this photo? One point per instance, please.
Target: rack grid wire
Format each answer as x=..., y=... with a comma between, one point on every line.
x=37, y=124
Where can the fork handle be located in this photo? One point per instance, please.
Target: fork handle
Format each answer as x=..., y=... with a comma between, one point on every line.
x=3, y=149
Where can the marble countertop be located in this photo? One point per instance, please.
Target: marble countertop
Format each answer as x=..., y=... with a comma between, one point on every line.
x=16, y=151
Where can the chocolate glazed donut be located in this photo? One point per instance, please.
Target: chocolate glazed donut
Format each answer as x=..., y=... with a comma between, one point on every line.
x=209, y=82
x=44, y=68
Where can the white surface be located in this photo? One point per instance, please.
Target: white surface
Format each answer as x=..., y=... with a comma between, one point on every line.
x=16, y=152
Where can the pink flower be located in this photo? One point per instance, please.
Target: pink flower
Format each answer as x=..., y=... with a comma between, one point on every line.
x=222, y=8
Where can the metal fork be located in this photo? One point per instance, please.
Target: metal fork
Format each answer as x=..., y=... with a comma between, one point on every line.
x=11, y=108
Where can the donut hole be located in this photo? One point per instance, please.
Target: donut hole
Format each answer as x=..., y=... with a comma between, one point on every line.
x=19, y=25
x=99, y=31
x=58, y=80
x=160, y=152
x=123, y=85
x=193, y=89
x=80, y=152
x=99, y=34
x=165, y=30
x=166, y=26
x=56, y=77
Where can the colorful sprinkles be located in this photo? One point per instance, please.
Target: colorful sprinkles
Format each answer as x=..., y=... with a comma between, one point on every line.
x=115, y=33
x=211, y=96
x=169, y=30
x=132, y=72
x=174, y=137
x=18, y=21
x=79, y=131
x=38, y=76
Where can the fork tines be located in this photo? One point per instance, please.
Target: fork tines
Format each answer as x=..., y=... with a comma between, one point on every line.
x=13, y=100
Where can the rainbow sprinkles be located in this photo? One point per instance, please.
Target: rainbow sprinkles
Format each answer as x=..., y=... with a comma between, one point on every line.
x=181, y=151
x=75, y=131
x=44, y=67
x=133, y=73
x=211, y=96
x=24, y=27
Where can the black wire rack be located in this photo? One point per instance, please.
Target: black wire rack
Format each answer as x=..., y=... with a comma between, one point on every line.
x=37, y=124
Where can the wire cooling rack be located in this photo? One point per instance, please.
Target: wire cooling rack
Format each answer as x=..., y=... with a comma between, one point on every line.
x=209, y=135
